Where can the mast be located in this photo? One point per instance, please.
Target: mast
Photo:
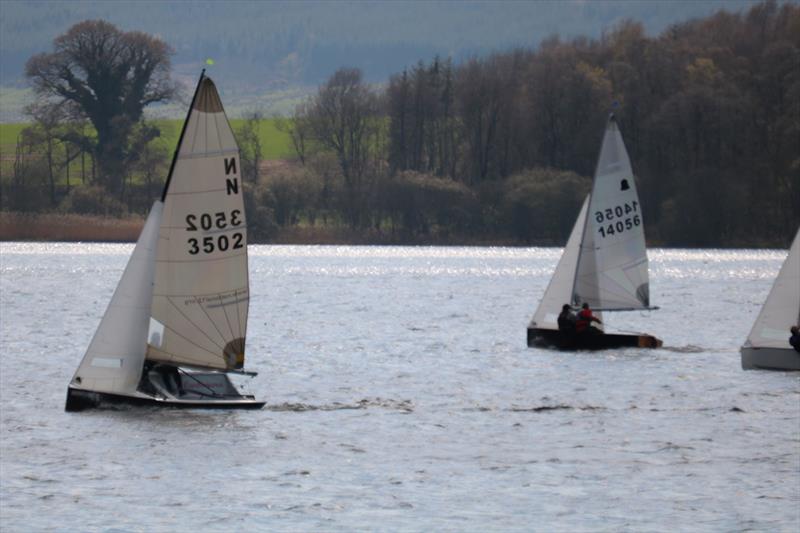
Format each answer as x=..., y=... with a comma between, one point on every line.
x=611, y=118
x=180, y=139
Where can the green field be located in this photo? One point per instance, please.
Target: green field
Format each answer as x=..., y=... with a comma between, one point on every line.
x=275, y=144
x=8, y=136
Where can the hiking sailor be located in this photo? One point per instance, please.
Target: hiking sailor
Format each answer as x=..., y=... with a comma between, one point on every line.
x=585, y=319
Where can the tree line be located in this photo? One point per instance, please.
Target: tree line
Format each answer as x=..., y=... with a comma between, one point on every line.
x=710, y=112
x=493, y=149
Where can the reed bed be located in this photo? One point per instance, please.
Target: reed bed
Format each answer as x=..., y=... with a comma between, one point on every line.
x=65, y=227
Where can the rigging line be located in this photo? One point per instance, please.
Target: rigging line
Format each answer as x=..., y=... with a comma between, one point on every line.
x=190, y=321
x=197, y=381
x=196, y=326
x=213, y=322
x=190, y=342
x=215, y=395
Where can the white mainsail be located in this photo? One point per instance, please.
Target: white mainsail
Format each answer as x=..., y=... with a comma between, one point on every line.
x=201, y=291
x=113, y=362
x=559, y=290
x=781, y=310
x=612, y=263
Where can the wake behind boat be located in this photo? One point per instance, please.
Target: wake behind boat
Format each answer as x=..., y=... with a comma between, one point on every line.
x=176, y=324
x=767, y=347
x=604, y=263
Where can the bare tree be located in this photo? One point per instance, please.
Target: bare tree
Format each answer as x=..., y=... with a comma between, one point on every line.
x=298, y=129
x=108, y=76
x=343, y=117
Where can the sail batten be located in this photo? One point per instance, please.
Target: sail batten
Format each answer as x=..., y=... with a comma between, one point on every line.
x=201, y=289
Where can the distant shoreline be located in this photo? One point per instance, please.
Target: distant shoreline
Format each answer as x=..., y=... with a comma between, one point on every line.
x=55, y=227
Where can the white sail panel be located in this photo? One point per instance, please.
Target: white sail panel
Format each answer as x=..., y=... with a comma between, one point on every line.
x=781, y=310
x=113, y=362
x=201, y=292
x=559, y=290
x=612, y=271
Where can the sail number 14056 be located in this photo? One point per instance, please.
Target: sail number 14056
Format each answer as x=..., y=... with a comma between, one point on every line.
x=219, y=221
x=616, y=219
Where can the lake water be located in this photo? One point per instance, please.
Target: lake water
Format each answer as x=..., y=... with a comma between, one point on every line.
x=402, y=397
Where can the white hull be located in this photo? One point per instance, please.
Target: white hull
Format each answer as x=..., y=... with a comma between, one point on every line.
x=770, y=358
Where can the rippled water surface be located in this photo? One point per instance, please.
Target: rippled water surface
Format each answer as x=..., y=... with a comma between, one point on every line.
x=401, y=396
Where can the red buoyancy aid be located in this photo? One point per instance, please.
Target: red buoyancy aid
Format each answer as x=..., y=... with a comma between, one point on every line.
x=584, y=319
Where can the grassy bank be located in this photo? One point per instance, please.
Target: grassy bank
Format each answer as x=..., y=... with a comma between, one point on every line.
x=275, y=144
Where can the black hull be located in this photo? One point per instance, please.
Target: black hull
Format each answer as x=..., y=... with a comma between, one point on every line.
x=79, y=400
x=165, y=386
x=551, y=338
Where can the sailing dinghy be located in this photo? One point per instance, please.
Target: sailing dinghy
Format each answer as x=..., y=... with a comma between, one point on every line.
x=604, y=262
x=175, y=327
x=767, y=347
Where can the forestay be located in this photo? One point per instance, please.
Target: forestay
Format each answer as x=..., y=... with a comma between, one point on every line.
x=612, y=264
x=201, y=294
x=781, y=310
x=113, y=361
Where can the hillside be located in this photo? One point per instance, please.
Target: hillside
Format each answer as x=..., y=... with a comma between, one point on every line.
x=272, y=53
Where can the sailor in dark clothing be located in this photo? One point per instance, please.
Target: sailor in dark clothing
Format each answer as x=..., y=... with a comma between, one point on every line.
x=566, y=319
x=794, y=340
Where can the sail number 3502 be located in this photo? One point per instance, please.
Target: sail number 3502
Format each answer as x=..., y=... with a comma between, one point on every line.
x=616, y=220
x=219, y=221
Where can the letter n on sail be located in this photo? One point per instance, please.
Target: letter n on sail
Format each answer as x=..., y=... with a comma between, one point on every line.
x=231, y=184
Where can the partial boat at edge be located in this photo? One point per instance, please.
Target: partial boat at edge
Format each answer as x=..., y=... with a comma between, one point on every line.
x=767, y=347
